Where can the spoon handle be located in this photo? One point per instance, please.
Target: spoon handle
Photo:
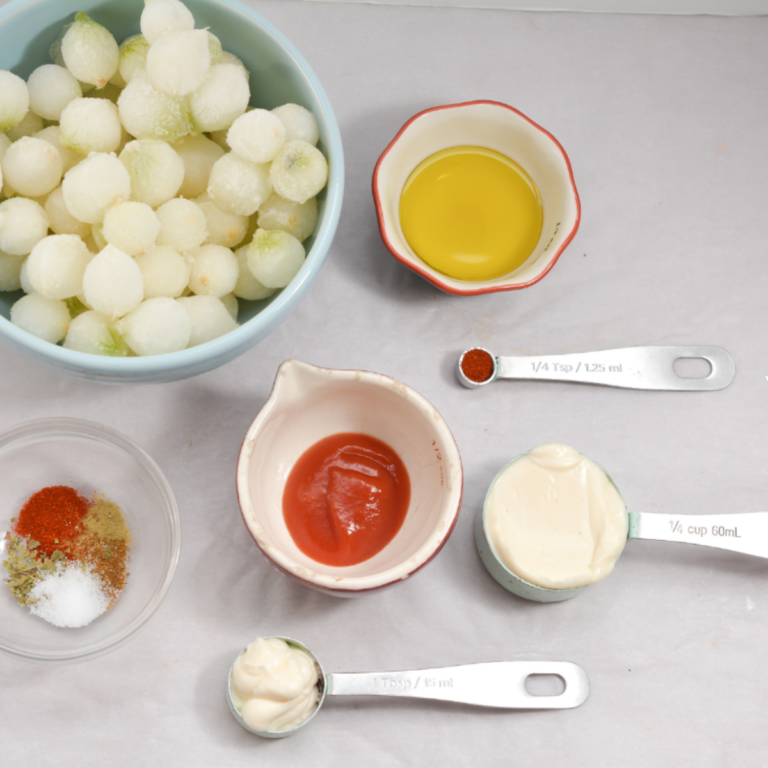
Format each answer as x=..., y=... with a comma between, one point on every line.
x=494, y=684
x=631, y=368
x=746, y=532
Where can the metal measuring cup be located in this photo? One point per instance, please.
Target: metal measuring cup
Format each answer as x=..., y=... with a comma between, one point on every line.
x=745, y=532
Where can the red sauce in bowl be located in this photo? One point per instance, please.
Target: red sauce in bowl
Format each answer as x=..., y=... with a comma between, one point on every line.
x=346, y=498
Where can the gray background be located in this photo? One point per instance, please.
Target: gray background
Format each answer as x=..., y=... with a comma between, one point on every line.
x=664, y=122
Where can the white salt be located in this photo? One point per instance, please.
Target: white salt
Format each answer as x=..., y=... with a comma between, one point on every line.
x=70, y=596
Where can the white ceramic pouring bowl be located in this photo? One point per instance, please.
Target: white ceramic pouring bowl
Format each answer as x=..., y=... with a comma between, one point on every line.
x=308, y=404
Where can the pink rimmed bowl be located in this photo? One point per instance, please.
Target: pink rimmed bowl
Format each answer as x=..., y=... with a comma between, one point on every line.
x=501, y=128
x=308, y=404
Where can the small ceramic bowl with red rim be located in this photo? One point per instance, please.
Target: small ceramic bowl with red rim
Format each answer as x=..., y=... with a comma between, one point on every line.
x=498, y=127
x=308, y=404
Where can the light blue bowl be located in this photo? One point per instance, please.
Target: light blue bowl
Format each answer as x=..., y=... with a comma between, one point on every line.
x=279, y=74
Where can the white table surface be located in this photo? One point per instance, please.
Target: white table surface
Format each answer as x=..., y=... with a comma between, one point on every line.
x=664, y=119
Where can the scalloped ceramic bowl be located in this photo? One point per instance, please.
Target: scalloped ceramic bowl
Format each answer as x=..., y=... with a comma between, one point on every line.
x=78, y=453
x=505, y=130
x=309, y=403
x=279, y=74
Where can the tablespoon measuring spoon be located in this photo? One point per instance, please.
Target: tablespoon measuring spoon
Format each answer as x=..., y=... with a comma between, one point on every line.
x=497, y=684
x=630, y=368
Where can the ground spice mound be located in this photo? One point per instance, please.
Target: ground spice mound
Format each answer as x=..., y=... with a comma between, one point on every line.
x=477, y=365
x=103, y=545
x=53, y=517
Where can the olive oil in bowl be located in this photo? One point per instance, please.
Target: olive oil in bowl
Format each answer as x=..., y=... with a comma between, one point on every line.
x=471, y=213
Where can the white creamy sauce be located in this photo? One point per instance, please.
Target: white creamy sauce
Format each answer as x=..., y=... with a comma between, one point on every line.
x=274, y=685
x=555, y=519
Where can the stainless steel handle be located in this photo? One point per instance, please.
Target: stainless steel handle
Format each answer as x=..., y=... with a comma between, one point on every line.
x=493, y=684
x=630, y=367
x=746, y=532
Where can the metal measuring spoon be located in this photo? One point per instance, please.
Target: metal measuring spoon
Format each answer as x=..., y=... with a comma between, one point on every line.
x=631, y=367
x=498, y=684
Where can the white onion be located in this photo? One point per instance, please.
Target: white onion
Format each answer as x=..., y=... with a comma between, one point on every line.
x=15, y=101
x=298, y=219
x=227, y=229
x=90, y=125
x=51, y=88
x=56, y=266
x=112, y=283
x=183, y=225
x=165, y=272
x=157, y=326
x=257, y=136
x=247, y=286
x=275, y=257
x=162, y=16
x=178, y=62
x=148, y=113
x=199, y=154
x=299, y=171
x=156, y=171
x=89, y=51
x=214, y=270
x=10, y=271
x=48, y=319
x=94, y=185
x=239, y=186
x=221, y=99
x=209, y=317
x=133, y=57
x=52, y=134
x=60, y=220
x=23, y=223
x=93, y=333
x=33, y=167
x=30, y=125
x=131, y=226
x=299, y=123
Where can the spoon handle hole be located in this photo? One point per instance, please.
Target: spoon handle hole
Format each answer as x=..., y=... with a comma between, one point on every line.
x=545, y=685
x=692, y=367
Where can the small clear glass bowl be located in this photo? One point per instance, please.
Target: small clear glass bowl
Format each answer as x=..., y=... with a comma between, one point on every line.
x=88, y=457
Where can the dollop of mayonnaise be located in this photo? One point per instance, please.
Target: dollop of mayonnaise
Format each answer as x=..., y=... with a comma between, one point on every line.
x=274, y=685
x=556, y=519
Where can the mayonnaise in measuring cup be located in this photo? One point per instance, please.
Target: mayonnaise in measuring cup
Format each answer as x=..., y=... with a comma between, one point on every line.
x=555, y=519
x=274, y=685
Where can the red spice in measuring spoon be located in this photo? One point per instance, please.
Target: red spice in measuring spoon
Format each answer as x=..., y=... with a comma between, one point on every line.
x=346, y=498
x=53, y=517
x=477, y=365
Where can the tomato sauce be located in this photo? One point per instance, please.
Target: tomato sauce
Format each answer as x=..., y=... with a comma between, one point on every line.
x=346, y=498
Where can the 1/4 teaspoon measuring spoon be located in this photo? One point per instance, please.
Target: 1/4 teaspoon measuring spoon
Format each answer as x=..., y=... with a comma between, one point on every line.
x=631, y=368
x=497, y=684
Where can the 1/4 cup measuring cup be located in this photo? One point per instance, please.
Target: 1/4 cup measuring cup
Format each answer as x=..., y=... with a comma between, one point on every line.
x=746, y=533
x=500, y=685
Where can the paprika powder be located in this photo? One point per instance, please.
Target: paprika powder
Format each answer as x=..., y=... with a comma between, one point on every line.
x=53, y=517
x=477, y=365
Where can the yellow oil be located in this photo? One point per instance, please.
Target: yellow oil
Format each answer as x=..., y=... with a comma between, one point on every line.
x=471, y=213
